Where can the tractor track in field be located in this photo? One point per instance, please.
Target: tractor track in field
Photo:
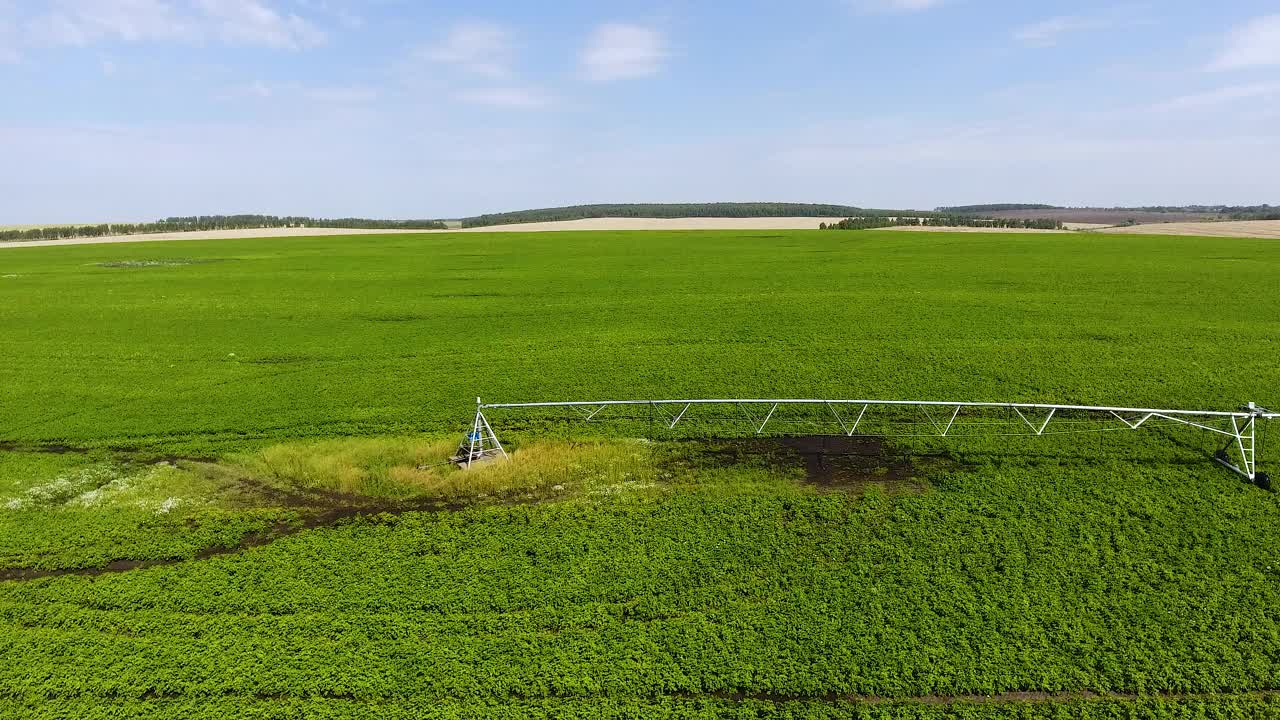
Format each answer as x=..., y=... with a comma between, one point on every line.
x=1021, y=697
x=1011, y=697
x=321, y=509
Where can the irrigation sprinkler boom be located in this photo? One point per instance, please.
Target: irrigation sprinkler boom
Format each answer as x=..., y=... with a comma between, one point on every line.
x=1239, y=426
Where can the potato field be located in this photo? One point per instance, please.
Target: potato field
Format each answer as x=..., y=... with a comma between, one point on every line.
x=224, y=489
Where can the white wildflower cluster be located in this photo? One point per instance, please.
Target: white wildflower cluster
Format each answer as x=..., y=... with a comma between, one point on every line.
x=622, y=487
x=94, y=497
x=64, y=488
x=97, y=486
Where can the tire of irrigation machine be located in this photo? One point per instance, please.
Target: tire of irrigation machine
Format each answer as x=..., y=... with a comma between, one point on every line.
x=1263, y=480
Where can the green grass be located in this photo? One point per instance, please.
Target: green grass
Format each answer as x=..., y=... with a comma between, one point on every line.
x=409, y=467
x=383, y=335
x=615, y=578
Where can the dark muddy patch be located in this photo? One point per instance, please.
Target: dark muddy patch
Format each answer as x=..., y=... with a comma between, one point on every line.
x=828, y=461
x=122, y=454
x=279, y=359
x=316, y=508
x=1011, y=697
x=55, y=449
x=333, y=517
x=394, y=317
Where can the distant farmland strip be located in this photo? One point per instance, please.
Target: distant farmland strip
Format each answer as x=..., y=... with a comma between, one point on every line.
x=683, y=210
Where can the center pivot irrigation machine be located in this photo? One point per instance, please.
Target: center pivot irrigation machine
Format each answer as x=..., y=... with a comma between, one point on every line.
x=943, y=419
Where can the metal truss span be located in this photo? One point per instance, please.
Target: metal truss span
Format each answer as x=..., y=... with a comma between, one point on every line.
x=1240, y=427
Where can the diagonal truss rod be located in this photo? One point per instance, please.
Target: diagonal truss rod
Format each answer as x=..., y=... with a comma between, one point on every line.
x=1242, y=432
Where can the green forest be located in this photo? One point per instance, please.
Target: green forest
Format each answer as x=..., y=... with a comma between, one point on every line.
x=679, y=210
x=212, y=222
x=1223, y=212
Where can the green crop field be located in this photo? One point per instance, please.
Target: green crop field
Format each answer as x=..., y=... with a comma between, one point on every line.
x=222, y=491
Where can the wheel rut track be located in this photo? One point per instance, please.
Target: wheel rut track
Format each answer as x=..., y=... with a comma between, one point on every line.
x=1013, y=697
x=321, y=510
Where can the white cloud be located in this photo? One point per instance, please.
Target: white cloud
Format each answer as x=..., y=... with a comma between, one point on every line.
x=8, y=45
x=1221, y=96
x=1255, y=44
x=349, y=20
x=82, y=23
x=256, y=90
x=335, y=95
x=338, y=11
x=249, y=22
x=109, y=67
x=355, y=95
x=486, y=50
x=894, y=5
x=513, y=98
x=479, y=47
x=1047, y=32
x=618, y=51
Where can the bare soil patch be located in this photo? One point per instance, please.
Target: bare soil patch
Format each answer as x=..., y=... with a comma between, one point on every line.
x=695, y=223
x=922, y=228
x=1103, y=216
x=317, y=509
x=833, y=462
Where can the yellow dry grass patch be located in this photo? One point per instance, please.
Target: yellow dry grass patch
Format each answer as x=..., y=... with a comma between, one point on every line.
x=1230, y=228
x=404, y=467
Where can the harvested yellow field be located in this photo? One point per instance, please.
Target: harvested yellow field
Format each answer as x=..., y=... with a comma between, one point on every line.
x=1251, y=228
x=207, y=235
x=1230, y=228
x=924, y=228
x=693, y=223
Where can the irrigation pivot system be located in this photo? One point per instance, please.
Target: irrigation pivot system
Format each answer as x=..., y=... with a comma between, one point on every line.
x=1239, y=427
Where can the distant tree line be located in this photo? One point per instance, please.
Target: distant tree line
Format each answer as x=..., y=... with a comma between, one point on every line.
x=860, y=223
x=1230, y=212
x=213, y=222
x=1235, y=212
x=1223, y=212
x=679, y=210
x=868, y=223
x=970, y=221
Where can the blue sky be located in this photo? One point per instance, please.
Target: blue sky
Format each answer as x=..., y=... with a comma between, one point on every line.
x=136, y=109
